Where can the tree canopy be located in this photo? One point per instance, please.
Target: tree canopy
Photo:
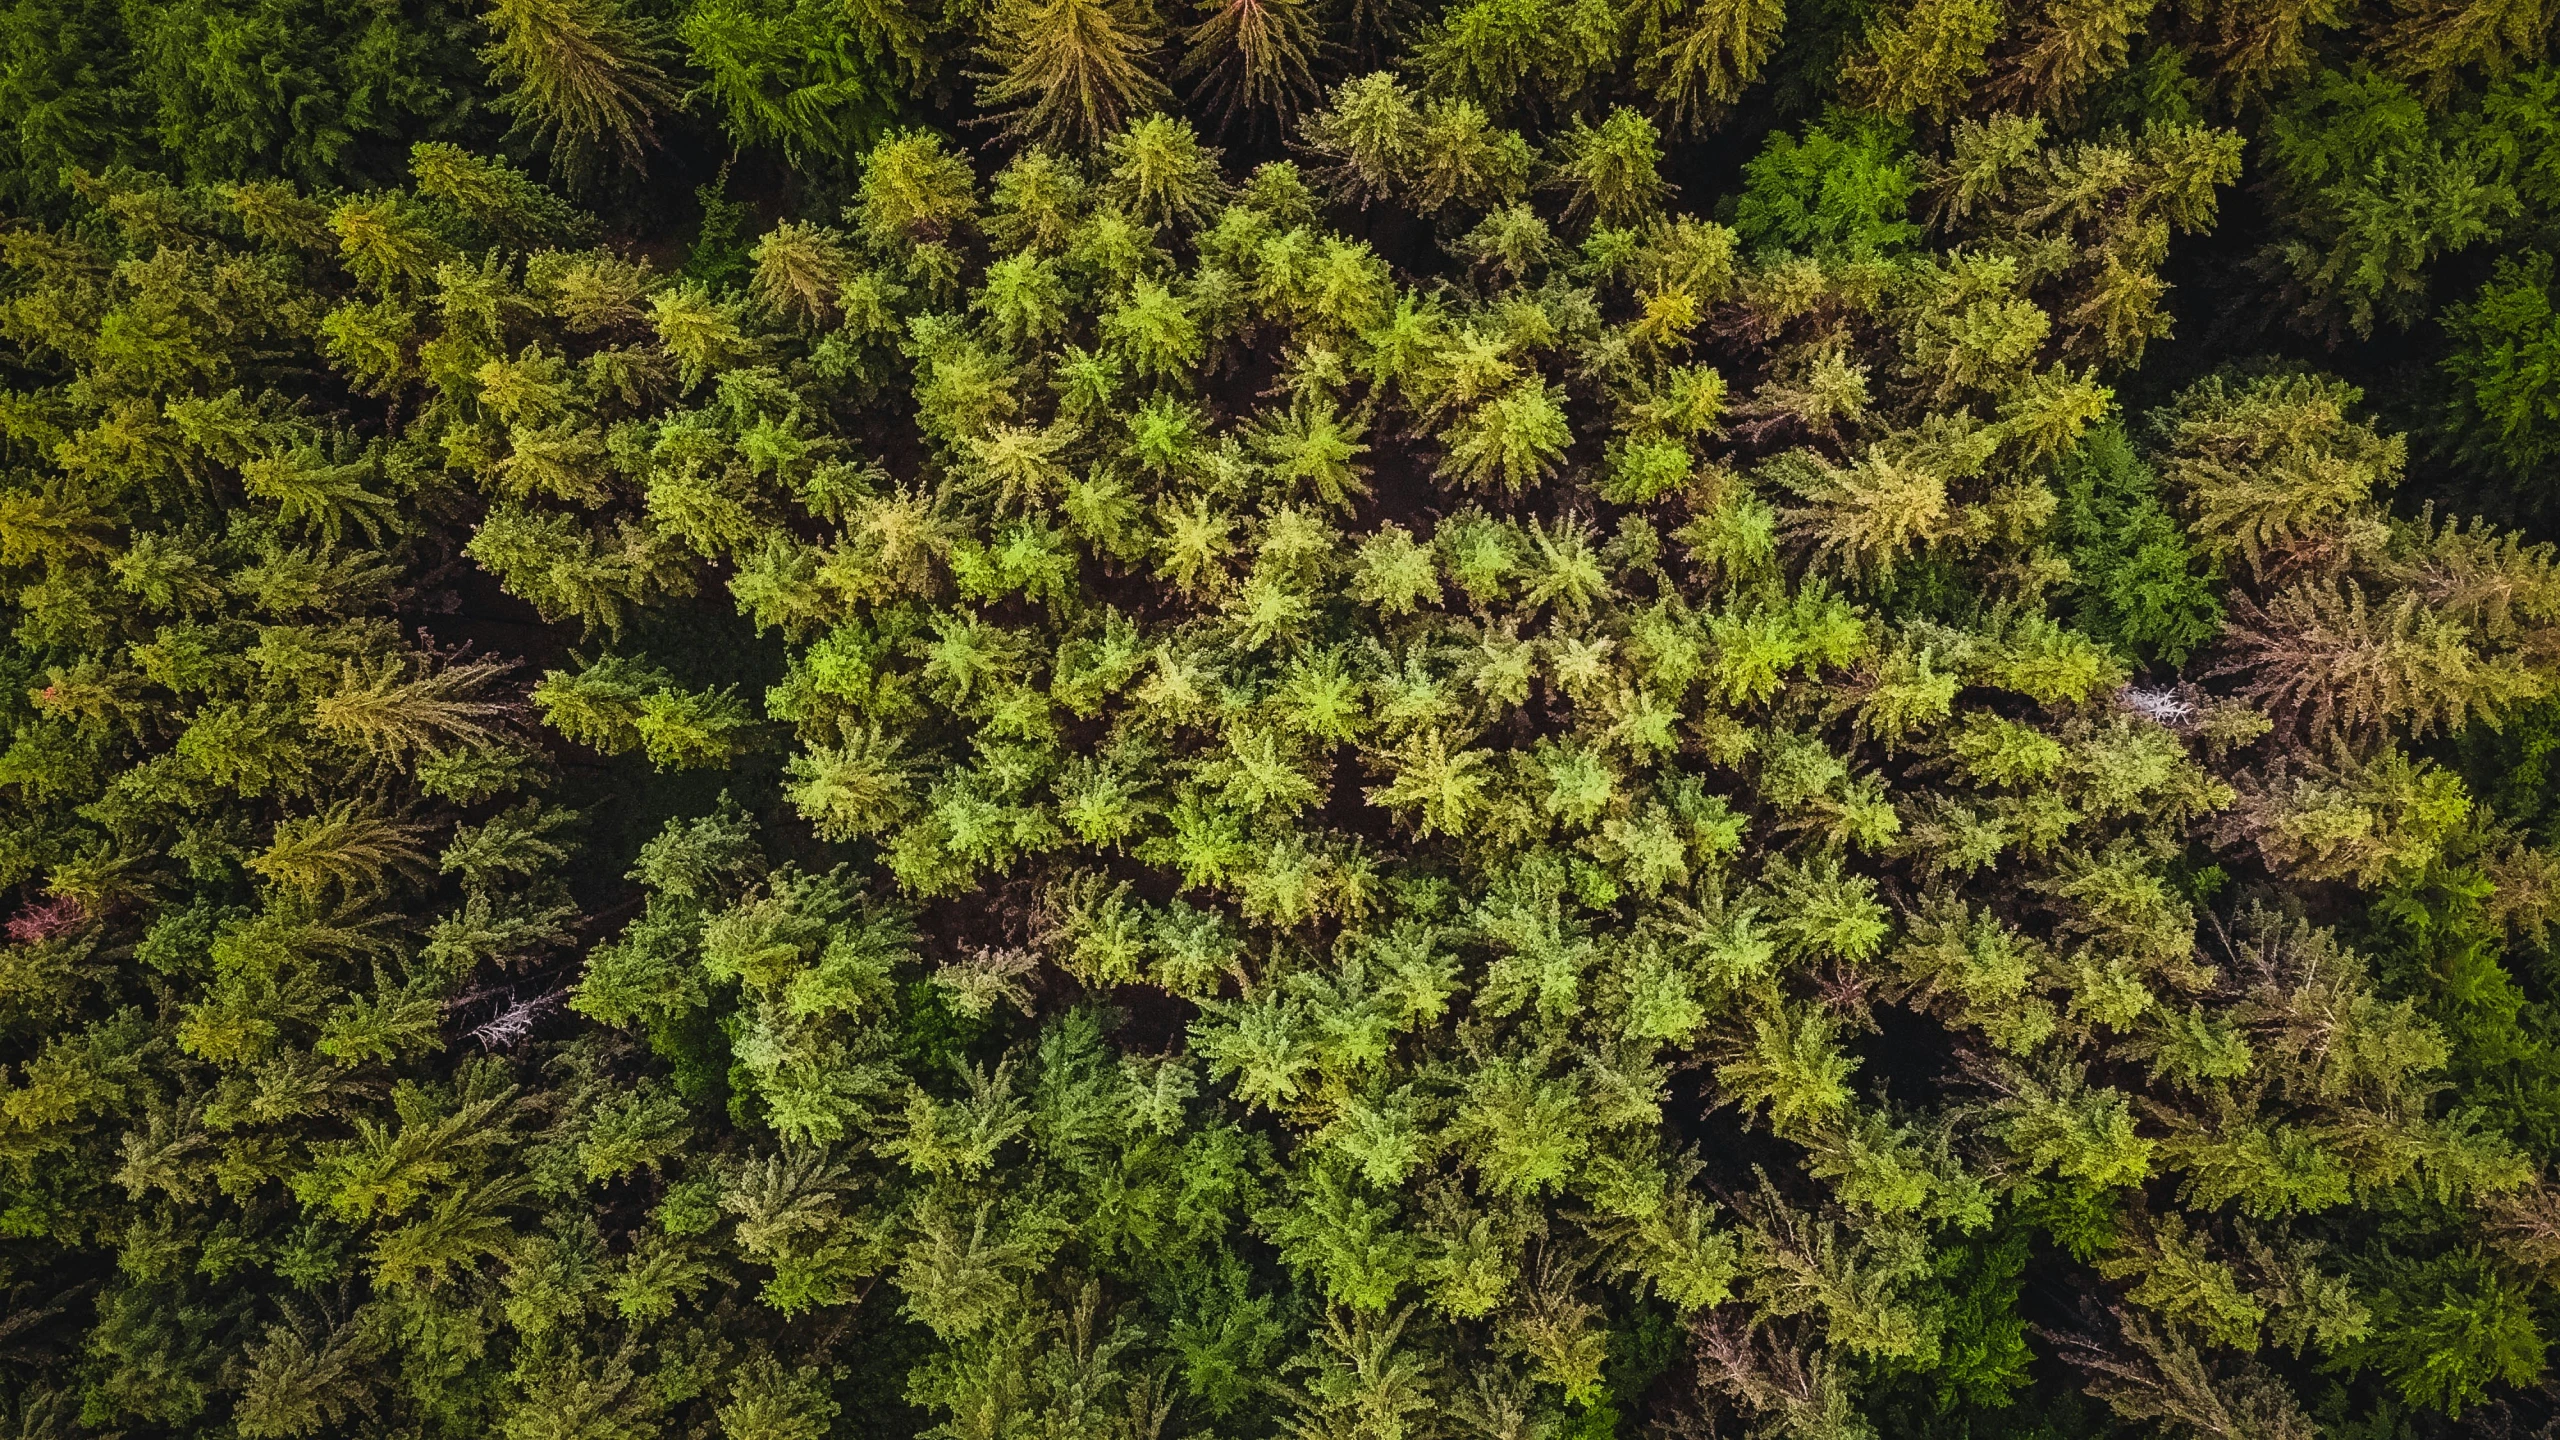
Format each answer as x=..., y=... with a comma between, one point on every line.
x=1525, y=721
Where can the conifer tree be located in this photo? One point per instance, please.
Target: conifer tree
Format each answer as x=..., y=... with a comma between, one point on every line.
x=580, y=76
x=1699, y=59
x=1252, y=61
x=1069, y=71
x=1107, y=779
x=1927, y=57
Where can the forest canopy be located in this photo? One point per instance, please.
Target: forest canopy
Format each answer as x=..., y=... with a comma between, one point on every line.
x=1279, y=719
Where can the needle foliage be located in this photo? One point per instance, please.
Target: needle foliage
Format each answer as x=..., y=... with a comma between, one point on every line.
x=1278, y=720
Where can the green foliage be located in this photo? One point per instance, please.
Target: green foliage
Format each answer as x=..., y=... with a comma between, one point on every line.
x=1512, y=54
x=318, y=91
x=1844, y=190
x=1253, y=61
x=580, y=76
x=2507, y=369
x=2440, y=938
x=1923, y=57
x=2380, y=192
x=1272, y=720
x=1697, y=60
x=816, y=82
x=2448, y=1329
x=1069, y=71
x=2137, y=582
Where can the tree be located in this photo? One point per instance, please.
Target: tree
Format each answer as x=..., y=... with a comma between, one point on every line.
x=1844, y=188
x=1925, y=57
x=818, y=82
x=581, y=77
x=2438, y=39
x=2264, y=43
x=1069, y=71
x=1697, y=60
x=1509, y=55
x=2379, y=193
x=1165, y=787
x=2505, y=404
x=1613, y=170
x=1252, y=62
x=2069, y=47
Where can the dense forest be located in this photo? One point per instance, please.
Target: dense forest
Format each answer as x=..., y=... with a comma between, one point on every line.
x=1280, y=719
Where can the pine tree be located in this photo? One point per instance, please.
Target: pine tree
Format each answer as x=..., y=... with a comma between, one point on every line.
x=2373, y=192
x=581, y=77
x=1224, y=783
x=2264, y=43
x=1069, y=72
x=1697, y=61
x=1613, y=170
x=1252, y=62
x=1509, y=55
x=816, y=82
x=2070, y=46
x=801, y=270
x=2437, y=40
x=1927, y=57
x=398, y=714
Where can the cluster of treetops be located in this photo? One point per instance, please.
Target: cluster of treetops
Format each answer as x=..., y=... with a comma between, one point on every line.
x=1302, y=720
